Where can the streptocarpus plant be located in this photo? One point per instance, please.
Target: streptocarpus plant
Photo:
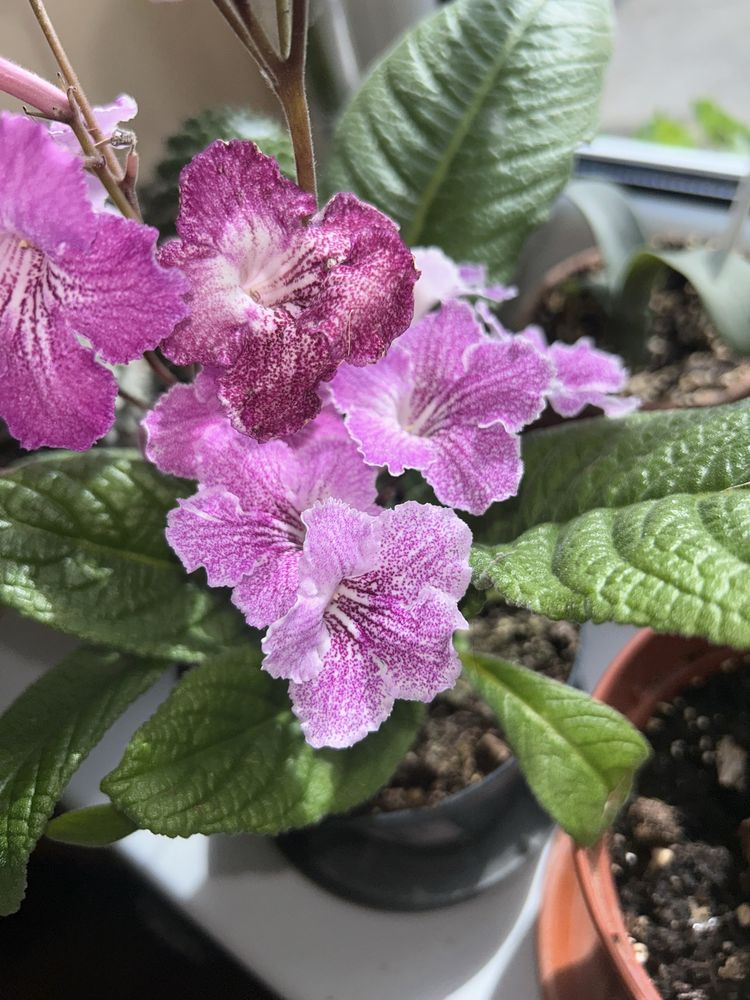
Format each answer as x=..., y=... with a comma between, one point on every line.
x=304, y=348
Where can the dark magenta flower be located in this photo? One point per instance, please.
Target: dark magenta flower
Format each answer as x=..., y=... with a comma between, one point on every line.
x=75, y=286
x=280, y=295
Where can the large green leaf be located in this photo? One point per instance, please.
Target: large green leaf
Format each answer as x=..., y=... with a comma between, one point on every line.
x=465, y=133
x=576, y=467
x=644, y=520
x=578, y=755
x=612, y=221
x=45, y=736
x=82, y=548
x=224, y=754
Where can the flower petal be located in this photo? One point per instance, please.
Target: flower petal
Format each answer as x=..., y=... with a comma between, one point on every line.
x=42, y=189
x=506, y=382
x=211, y=530
x=52, y=392
x=231, y=187
x=123, y=301
x=220, y=311
x=186, y=420
x=267, y=593
x=367, y=300
x=423, y=545
x=340, y=543
x=414, y=642
x=375, y=398
x=348, y=698
x=475, y=467
x=585, y=376
x=295, y=645
x=271, y=390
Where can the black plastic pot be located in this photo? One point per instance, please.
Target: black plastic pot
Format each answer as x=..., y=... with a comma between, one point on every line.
x=422, y=859
x=419, y=859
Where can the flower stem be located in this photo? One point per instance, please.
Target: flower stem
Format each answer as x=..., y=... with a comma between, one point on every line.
x=83, y=120
x=284, y=73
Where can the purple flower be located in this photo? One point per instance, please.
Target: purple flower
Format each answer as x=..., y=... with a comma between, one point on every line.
x=108, y=117
x=244, y=525
x=374, y=616
x=584, y=376
x=441, y=280
x=449, y=401
x=280, y=296
x=189, y=425
x=67, y=273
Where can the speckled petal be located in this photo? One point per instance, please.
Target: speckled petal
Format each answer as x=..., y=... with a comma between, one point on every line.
x=423, y=545
x=186, y=420
x=211, y=530
x=123, y=301
x=586, y=376
x=367, y=300
x=347, y=699
x=374, y=400
x=271, y=390
x=475, y=467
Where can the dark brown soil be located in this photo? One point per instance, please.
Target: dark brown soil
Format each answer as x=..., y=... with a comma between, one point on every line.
x=460, y=741
x=681, y=851
x=686, y=365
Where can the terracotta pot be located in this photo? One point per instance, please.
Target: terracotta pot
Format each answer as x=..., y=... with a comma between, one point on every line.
x=582, y=944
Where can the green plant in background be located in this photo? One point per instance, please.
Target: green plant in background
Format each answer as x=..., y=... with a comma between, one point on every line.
x=709, y=127
x=633, y=269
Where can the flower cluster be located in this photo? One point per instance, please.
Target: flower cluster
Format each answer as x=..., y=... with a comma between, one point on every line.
x=326, y=355
x=361, y=601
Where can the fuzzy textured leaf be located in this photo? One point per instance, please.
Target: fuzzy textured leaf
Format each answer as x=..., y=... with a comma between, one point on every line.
x=643, y=520
x=579, y=466
x=45, y=736
x=224, y=754
x=82, y=548
x=680, y=564
x=465, y=132
x=578, y=755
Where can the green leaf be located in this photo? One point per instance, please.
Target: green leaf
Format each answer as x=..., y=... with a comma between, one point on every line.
x=721, y=279
x=721, y=129
x=82, y=548
x=45, y=736
x=578, y=755
x=224, y=754
x=583, y=465
x=680, y=564
x=666, y=131
x=160, y=199
x=612, y=222
x=93, y=826
x=643, y=521
x=465, y=132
